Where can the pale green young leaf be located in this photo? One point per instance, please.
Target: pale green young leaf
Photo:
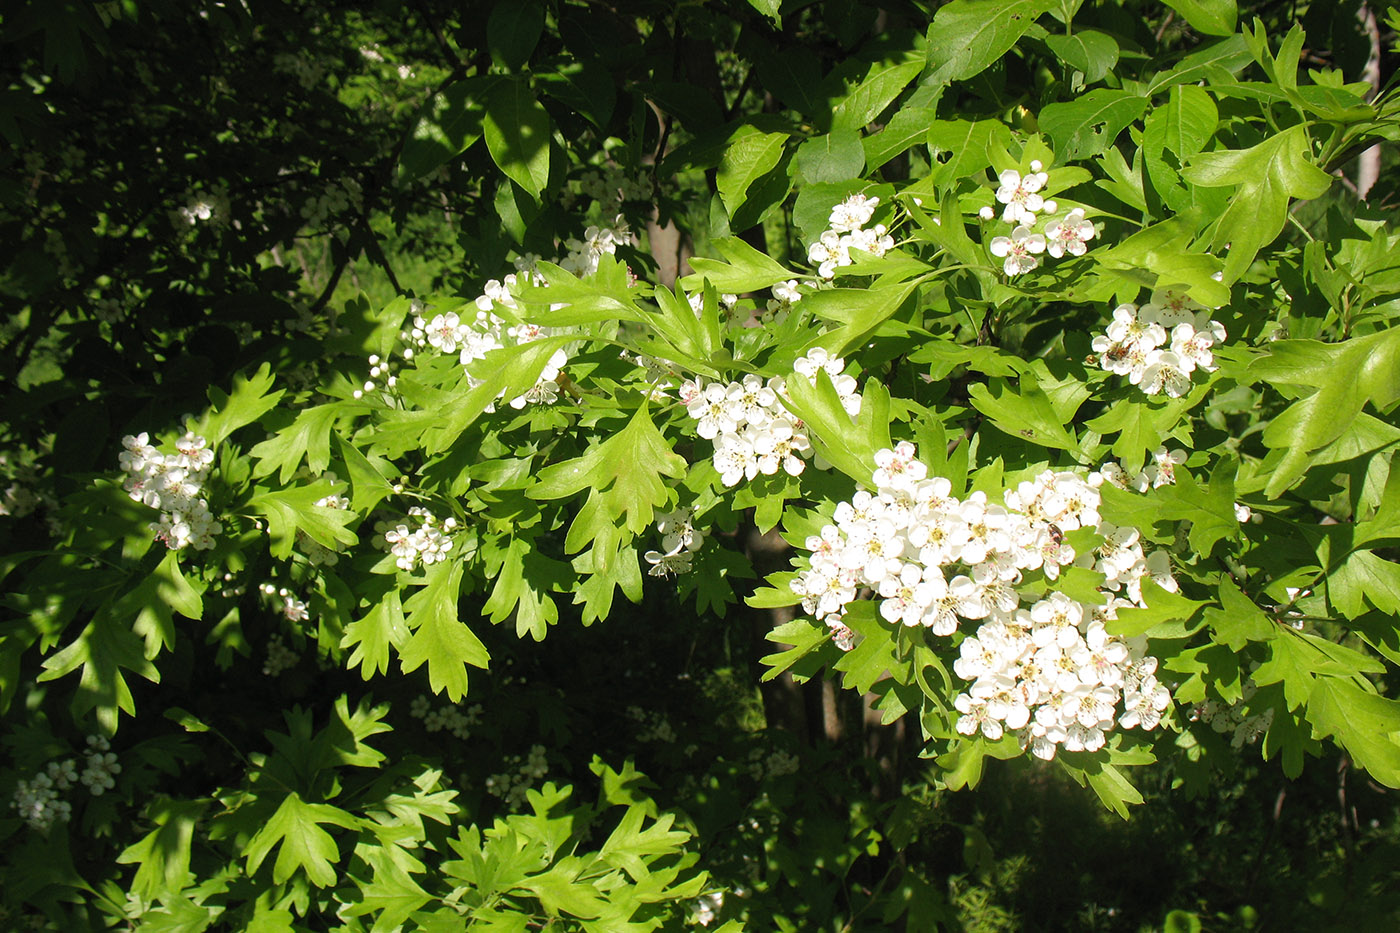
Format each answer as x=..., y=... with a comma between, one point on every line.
x=523, y=585
x=440, y=639
x=1024, y=412
x=1163, y=608
x=1238, y=621
x=296, y=829
x=873, y=656
x=831, y=430
x=1210, y=509
x=967, y=142
x=517, y=131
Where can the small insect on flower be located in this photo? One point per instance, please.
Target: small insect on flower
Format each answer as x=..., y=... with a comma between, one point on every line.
x=1056, y=535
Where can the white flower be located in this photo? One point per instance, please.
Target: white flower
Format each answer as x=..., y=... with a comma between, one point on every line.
x=1068, y=235
x=1019, y=250
x=1020, y=196
x=663, y=565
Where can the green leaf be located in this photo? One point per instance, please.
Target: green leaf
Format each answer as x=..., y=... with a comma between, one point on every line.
x=1238, y=621
x=1210, y=510
x=1265, y=177
x=1162, y=607
x=1075, y=126
x=749, y=154
x=512, y=32
x=517, y=130
x=449, y=126
x=1025, y=413
x=966, y=36
x=873, y=657
x=308, y=436
x=439, y=638
x=837, y=156
x=1089, y=51
x=368, y=487
x=296, y=826
x=623, y=473
x=372, y=637
x=1212, y=17
x=162, y=856
x=632, y=848
x=291, y=510
x=105, y=648
x=883, y=82
x=769, y=8
x=804, y=637
x=1346, y=376
x=1366, y=725
x=907, y=127
x=523, y=585
x=248, y=402
x=392, y=893
x=744, y=269
x=151, y=603
x=968, y=142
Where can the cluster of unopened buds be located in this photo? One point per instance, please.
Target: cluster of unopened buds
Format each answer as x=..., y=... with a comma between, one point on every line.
x=427, y=544
x=753, y=432
x=174, y=484
x=1159, y=345
x=513, y=784
x=1020, y=195
x=845, y=232
x=379, y=374
x=679, y=540
x=449, y=717
x=937, y=561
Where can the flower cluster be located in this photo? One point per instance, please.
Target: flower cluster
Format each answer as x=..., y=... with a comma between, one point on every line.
x=1159, y=345
x=785, y=295
x=426, y=544
x=513, y=784
x=653, y=726
x=679, y=539
x=173, y=483
x=1021, y=250
x=705, y=908
x=37, y=800
x=612, y=185
x=210, y=206
x=935, y=561
x=280, y=658
x=846, y=231
x=102, y=767
x=1244, y=727
x=315, y=551
x=752, y=431
x=449, y=717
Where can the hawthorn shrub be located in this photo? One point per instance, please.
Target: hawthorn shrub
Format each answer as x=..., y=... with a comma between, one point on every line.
x=563, y=466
